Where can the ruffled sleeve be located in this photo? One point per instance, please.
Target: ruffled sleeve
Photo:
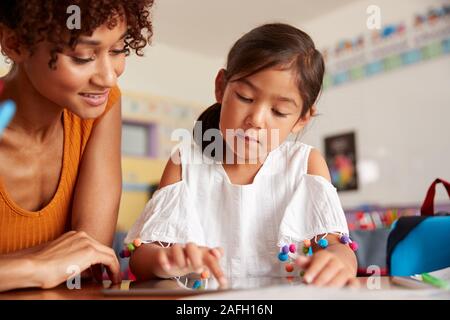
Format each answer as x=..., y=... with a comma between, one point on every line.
x=314, y=209
x=168, y=217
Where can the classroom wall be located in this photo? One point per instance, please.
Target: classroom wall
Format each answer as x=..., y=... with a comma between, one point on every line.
x=172, y=72
x=400, y=126
x=400, y=118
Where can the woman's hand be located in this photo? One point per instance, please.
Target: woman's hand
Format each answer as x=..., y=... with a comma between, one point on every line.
x=52, y=263
x=325, y=268
x=179, y=260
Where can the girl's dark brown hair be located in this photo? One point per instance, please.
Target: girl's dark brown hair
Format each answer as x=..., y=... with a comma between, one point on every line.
x=267, y=46
x=34, y=21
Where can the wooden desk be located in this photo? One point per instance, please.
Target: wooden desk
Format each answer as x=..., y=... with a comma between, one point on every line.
x=92, y=291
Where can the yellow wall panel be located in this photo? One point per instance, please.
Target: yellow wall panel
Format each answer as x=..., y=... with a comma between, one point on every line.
x=131, y=206
x=142, y=170
x=138, y=174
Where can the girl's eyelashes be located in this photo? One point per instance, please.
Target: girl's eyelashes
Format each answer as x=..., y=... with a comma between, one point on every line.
x=249, y=100
x=279, y=114
x=244, y=99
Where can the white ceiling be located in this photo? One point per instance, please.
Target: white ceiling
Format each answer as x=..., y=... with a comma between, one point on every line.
x=210, y=27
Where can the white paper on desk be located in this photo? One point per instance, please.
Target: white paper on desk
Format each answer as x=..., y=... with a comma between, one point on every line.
x=443, y=274
x=316, y=293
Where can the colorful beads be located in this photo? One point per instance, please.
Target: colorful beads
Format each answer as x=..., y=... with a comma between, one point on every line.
x=204, y=275
x=354, y=245
x=344, y=239
x=289, y=267
x=197, y=284
x=288, y=252
x=323, y=243
x=302, y=273
x=292, y=248
x=283, y=256
x=129, y=248
x=137, y=242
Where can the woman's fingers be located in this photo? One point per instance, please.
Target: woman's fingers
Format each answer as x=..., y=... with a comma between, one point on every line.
x=74, y=249
x=111, y=263
x=81, y=242
x=113, y=271
x=97, y=272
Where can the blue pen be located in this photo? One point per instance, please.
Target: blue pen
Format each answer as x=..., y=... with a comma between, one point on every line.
x=7, y=110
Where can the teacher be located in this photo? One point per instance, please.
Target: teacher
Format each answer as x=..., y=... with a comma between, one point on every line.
x=60, y=157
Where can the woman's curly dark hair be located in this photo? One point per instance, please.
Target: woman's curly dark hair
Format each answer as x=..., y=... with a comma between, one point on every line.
x=34, y=21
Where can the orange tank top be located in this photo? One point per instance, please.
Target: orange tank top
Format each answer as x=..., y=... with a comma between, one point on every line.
x=20, y=228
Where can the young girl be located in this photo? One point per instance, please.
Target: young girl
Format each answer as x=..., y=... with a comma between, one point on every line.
x=60, y=176
x=232, y=217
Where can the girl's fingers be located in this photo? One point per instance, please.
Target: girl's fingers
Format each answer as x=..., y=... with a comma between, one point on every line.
x=354, y=283
x=217, y=252
x=339, y=280
x=327, y=273
x=213, y=264
x=162, y=259
x=194, y=255
x=177, y=256
x=317, y=263
x=303, y=262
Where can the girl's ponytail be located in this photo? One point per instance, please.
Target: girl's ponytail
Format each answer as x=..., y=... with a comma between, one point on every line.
x=209, y=119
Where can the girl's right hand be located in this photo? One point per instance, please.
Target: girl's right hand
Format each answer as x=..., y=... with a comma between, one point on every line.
x=179, y=260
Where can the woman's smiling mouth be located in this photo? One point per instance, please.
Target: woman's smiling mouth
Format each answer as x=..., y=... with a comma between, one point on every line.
x=95, y=99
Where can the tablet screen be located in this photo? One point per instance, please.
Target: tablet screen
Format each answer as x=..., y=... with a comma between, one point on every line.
x=185, y=286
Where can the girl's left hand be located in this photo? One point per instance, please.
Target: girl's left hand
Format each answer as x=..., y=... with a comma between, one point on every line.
x=325, y=268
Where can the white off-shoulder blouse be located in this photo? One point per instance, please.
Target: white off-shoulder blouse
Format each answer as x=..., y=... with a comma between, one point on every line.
x=251, y=222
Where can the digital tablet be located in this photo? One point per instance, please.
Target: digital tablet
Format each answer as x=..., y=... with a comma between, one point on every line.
x=185, y=286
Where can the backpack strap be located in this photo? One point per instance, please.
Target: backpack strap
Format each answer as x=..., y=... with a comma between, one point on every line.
x=428, y=204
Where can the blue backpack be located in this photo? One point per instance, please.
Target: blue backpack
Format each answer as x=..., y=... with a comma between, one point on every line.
x=421, y=243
